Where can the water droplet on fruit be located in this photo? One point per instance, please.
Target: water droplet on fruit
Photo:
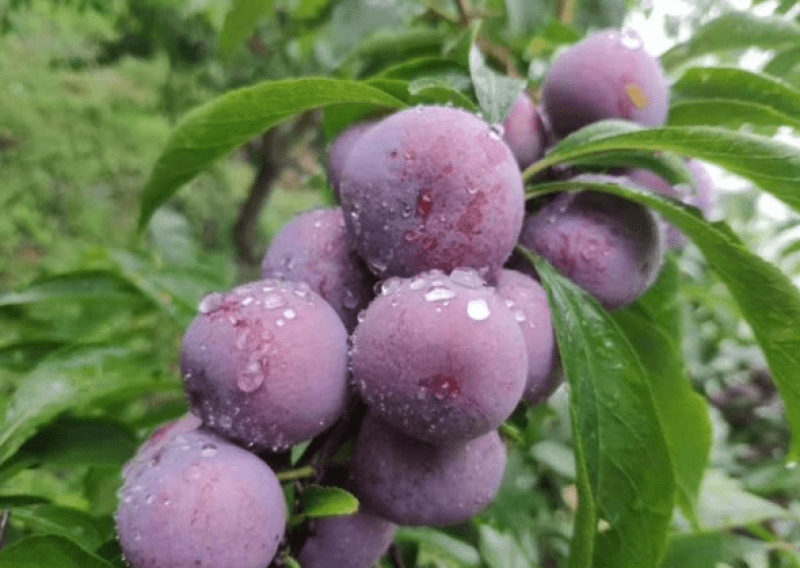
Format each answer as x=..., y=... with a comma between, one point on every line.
x=467, y=277
x=252, y=376
x=496, y=131
x=519, y=315
x=350, y=300
x=274, y=301
x=631, y=39
x=211, y=302
x=280, y=322
x=289, y=314
x=417, y=283
x=439, y=293
x=361, y=316
x=208, y=450
x=247, y=301
x=478, y=310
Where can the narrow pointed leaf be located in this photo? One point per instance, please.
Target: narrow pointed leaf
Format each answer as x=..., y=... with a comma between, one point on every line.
x=723, y=112
x=496, y=93
x=734, y=30
x=82, y=285
x=772, y=165
x=653, y=326
x=69, y=379
x=767, y=298
x=739, y=85
x=617, y=427
x=57, y=551
x=217, y=128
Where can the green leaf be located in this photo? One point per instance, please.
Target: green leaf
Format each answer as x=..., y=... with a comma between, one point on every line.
x=496, y=93
x=767, y=298
x=77, y=441
x=59, y=552
x=668, y=166
x=81, y=285
x=734, y=30
x=78, y=526
x=652, y=325
x=241, y=21
x=774, y=166
x=704, y=550
x=318, y=501
x=215, y=129
x=433, y=67
x=424, y=91
x=7, y=501
x=723, y=112
x=68, y=380
x=720, y=83
x=463, y=553
x=784, y=63
x=500, y=550
x=23, y=357
x=725, y=505
x=617, y=427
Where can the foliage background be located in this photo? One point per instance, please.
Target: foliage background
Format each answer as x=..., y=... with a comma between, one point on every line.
x=91, y=314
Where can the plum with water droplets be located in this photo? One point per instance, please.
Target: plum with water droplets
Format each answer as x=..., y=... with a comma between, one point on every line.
x=411, y=482
x=607, y=75
x=314, y=248
x=440, y=357
x=432, y=188
x=265, y=365
x=199, y=500
x=610, y=246
x=527, y=300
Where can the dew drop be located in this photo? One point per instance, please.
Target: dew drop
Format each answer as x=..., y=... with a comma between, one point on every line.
x=280, y=322
x=496, y=131
x=439, y=293
x=631, y=39
x=211, y=302
x=289, y=314
x=519, y=315
x=417, y=283
x=350, y=300
x=252, y=376
x=274, y=301
x=478, y=310
x=467, y=277
x=247, y=301
x=208, y=450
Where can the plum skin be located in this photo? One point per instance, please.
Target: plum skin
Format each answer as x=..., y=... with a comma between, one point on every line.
x=440, y=358
x=528, y=302
x=414, y=483
x=200, y=501
x=607, y=75
x=432, y=188
x=314, y=248
x=265, y=365
x=350, y=541
x=524, y=131
x=611, y=247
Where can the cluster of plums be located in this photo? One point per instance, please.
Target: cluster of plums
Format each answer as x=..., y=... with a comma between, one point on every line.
x=408, y=298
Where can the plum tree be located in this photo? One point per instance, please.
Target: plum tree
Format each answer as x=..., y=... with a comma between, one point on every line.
x=411, y=482
x=524, y=131
x=340, y=149
x=528, y=302
x=199, y=500
x=432, y=187
x=611, y=247
x=440, y=358
x=350, y=541
x=314, y=248
x=703, y=196
x=607, y=75
x=265, y=365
